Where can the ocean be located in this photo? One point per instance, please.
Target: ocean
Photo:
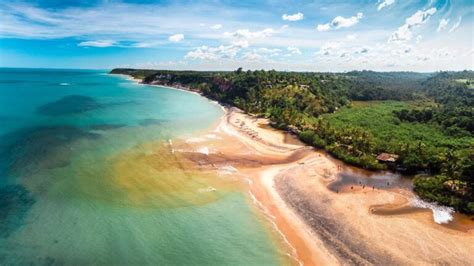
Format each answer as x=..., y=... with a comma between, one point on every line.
x=86, y=177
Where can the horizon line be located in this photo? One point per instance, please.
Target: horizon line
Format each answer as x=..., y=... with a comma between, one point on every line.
x=295, y=71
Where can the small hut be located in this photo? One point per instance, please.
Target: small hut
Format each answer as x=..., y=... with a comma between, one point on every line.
x=387, y=157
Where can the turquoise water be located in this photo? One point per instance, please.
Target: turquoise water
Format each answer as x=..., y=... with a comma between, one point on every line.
x=86, y=179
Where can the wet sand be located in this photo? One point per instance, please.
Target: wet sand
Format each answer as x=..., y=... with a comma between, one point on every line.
x=324, y=211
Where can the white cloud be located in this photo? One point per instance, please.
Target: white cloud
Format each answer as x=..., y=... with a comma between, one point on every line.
x=210, y=53
x=241, y=43
x=420, y=17
x=100, y=43
x=351, y=36
x=329, y=48
x=404, y=33
x=340, y=22
x=323, y=27
x=176, y=37
x=213, y=53
x=385, y=3
x=245, y=34
x=455, y=26
x=443, y=23
x=262, y=54
x=294, y=17
x=418, y=38
x=168, y=64
x=252, y=56
x=145, y=44
x=273, y=51
x=243, y=37
x=216, y=26
x=293, y=50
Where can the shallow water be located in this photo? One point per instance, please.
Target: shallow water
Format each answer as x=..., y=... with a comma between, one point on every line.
x=352, y=178
x=87, y=177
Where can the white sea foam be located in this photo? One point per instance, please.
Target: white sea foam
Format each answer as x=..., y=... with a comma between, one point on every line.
x=170, y=142
x=271, y=219
x=223, y=128
x=212, y=136
x=204, y=150
x=260, y=205
x=249, y=181
x=218, y=104
x=441, y=214
x=207, y=189
x=64, y=84
x=182, y=150
x=227, y=170
x=195, y=140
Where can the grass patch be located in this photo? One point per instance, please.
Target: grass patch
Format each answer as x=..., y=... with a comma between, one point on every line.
x=469, y=82
x=377, y=118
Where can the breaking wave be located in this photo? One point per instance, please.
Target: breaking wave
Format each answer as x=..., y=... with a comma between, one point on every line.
x=212, y=136
x=195, y=140
x=271, y=218
x=441, y=214
x=227, y=170
x=204, y=150
x=208, y=189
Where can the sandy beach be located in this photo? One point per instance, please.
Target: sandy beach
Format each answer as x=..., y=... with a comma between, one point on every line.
x=353, y=224
x=321, y=219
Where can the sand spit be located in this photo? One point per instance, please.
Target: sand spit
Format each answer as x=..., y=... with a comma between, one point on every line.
x=290, y=182
x=322, y=223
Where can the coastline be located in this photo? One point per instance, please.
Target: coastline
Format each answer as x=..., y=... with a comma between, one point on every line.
x=295, y=192
x=290, y=185
x=139, y=81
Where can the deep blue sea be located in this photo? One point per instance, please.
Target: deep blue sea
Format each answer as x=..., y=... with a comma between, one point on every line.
x=82, y=180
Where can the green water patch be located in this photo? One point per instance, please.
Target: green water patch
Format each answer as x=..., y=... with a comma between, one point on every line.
x=152, y=122
x=106, y=126
x=15, y=201
x=31, y=149
x=71, y=104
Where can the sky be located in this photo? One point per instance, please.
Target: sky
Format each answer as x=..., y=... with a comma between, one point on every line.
x=318, y=35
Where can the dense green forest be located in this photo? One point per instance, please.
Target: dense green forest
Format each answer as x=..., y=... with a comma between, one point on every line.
x=426, y=119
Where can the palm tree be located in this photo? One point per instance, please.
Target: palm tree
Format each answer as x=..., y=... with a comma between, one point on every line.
x=452, y=166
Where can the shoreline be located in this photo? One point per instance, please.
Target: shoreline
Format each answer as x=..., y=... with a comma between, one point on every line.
x=140, y=82
x=293, y=188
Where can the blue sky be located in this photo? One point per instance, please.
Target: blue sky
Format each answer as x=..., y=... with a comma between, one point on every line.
x=223, y=35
